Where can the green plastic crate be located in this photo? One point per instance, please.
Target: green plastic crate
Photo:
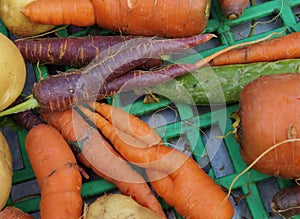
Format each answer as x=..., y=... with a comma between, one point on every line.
x=191, y=128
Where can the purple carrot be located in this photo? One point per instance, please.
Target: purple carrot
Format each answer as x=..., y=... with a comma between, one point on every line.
x=72, y=51
x=286, y=202
x=141, y=79
x=61, y=92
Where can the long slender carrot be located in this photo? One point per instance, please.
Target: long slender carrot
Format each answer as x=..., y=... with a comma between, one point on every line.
x=72, y=51
x=11, y=212
x=233, y=9
x=282, y=47
x=147, y=18
x=177, y=178
x=77, y=12
x=55, y=168
x=97, y=154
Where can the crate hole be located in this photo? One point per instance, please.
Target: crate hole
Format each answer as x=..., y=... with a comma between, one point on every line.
x=258, y=26
x=161, y=117
x=217, y=152
x=180, y=143
x=240, y=205
x=14, y=145
x=22, y=190
x=267, y=189
x=296, y=12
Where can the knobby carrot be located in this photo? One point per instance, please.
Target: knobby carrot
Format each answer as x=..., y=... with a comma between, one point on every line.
x=177, y=178
x=233, y=9
x=11, y=212
x=268, y=118
x=97, y=154
x=282, y=47
x=146, y=18
x=55, y=168
x=56, y=12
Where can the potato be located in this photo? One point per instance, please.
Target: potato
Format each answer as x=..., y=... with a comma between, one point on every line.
x=12, y=72
x=117, y=206
x=16, y=22
x=6, y=171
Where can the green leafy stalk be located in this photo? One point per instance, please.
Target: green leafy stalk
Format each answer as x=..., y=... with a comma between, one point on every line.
x=28, y=104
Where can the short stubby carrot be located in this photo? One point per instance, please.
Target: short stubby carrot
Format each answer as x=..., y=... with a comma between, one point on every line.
x=56, y=171
x=268, y=113
x=97, y=153
x=177, y=178
x=77, y=12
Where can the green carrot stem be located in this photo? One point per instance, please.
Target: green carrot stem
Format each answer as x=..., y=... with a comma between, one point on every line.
x=30, y=103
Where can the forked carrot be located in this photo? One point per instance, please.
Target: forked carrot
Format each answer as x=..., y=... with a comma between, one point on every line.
x=177, y=178
x=97, y=154
x=79, y=12
x=282, y=47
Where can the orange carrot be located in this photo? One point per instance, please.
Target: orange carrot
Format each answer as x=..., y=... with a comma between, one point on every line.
x=233, y=9
x=56, y=172
x=97, y=154
x=56, y=12
x=177, y=178
x=185, y=18
x=11, y=212
x=269, y=50
x=268, y=112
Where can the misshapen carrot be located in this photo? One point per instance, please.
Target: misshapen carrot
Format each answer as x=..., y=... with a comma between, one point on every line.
x=177, y=178
x=268, y=112
x=77, y=12
x=168, y=19
x=56, y=171
x=97, y=154
x=185, y=18
x=282, y=47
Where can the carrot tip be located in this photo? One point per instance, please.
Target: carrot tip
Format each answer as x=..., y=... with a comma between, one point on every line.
x=232, y=16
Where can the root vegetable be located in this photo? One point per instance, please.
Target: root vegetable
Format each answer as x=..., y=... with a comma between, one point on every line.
x=119, y=207
x=177, y=178
x=96, y=153
x=6, y=171
x=55, y=168
x=185, y=18
x=278, y=48
x=12, y=72
x=16, y=22
x=268, y=113
x=286, y=202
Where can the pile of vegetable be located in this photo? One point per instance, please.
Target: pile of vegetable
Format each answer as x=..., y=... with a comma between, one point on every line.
x=71, y=125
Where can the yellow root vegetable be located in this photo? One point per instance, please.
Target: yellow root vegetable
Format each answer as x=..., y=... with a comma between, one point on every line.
x=119, y=207
x=5, y=171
